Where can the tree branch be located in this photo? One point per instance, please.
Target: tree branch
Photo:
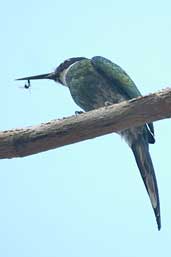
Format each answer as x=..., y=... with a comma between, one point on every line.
x=113, y=118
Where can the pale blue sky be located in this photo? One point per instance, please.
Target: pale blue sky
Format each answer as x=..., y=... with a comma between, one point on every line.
x=85, y=199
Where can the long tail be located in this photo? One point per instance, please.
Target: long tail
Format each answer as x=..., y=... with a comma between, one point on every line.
x=145, y=165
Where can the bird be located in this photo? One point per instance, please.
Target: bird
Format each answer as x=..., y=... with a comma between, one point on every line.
x=95, y=82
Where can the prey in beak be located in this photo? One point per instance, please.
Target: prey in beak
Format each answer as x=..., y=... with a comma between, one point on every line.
x=51, y=75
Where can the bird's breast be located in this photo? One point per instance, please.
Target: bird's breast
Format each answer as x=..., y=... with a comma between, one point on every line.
x=89, y=88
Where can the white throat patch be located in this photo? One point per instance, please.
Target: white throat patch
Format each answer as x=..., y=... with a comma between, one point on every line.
x=64, y=73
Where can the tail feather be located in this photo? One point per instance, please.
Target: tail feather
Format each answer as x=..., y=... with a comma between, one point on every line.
x=145, y=165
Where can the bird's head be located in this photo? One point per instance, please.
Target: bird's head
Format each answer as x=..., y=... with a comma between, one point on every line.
x=60, y=72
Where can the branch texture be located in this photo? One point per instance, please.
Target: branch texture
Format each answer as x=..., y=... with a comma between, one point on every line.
x=31, y=140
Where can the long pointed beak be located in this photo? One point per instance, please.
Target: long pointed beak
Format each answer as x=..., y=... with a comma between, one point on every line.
x=51, y=75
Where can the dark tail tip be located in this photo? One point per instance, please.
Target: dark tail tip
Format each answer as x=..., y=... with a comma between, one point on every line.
x=158, y=220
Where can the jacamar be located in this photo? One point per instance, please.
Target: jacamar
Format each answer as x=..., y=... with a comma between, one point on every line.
x=97, y=81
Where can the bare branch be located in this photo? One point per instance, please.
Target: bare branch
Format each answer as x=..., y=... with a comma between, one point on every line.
x=56, y=133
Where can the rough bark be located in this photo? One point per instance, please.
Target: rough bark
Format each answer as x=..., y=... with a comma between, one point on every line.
x=31, y=140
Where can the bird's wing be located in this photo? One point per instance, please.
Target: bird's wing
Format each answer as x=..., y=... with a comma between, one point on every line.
x=117, y=75
x=122, y=81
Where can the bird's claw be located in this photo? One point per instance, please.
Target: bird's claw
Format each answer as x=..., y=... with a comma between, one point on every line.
x=107, y=103
x=78, y=112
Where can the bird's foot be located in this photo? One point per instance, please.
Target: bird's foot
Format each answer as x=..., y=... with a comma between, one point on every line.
x=78, y=112
x=107, y=103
